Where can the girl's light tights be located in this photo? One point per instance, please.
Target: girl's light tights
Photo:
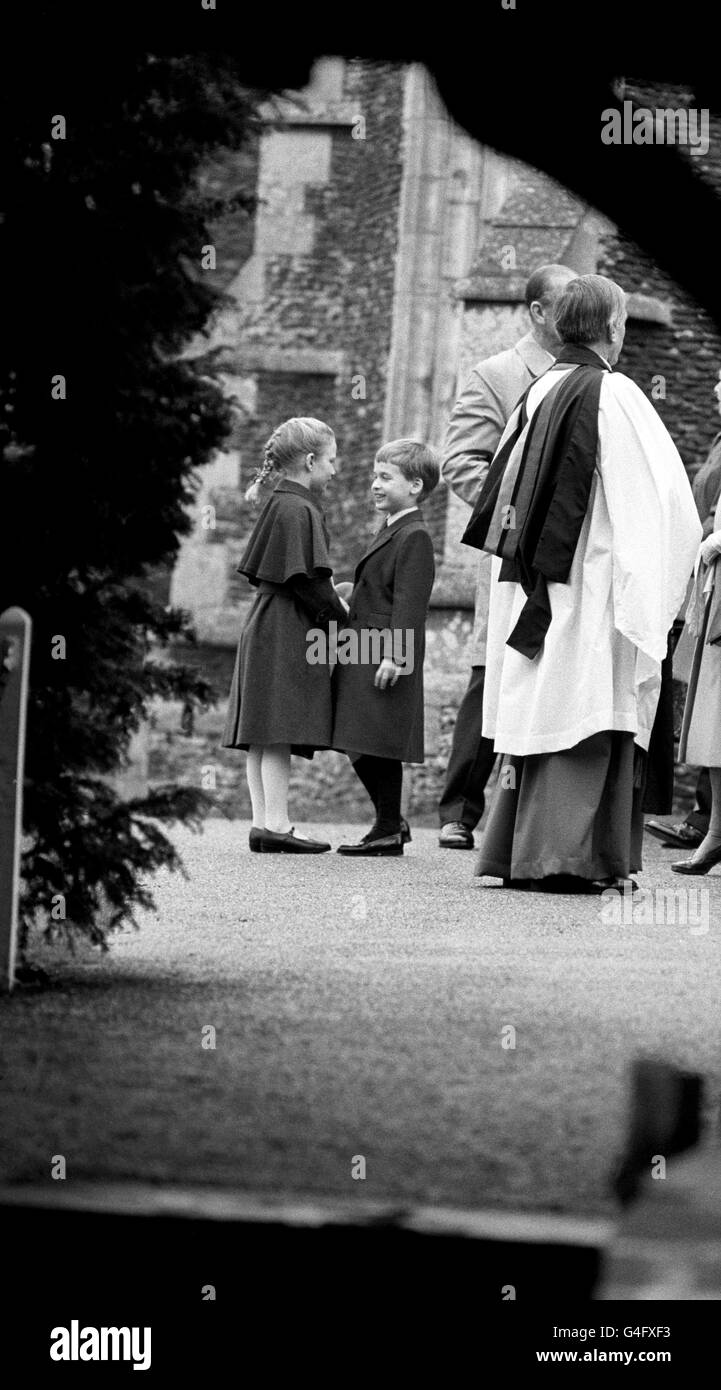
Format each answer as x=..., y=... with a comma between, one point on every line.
x=267, y=773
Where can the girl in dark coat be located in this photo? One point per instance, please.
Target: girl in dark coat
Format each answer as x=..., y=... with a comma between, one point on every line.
x=379, y=702
x=279, y=702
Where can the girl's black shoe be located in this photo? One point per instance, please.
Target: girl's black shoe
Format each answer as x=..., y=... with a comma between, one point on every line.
x=254, y=839
x=290, y=843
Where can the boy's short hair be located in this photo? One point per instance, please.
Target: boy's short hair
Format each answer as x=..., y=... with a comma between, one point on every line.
x=414, y=460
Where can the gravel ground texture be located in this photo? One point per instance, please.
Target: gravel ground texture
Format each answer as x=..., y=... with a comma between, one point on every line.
x=362, y=1010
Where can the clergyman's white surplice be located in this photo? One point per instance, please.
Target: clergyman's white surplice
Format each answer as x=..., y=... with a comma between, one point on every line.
x=600, y=664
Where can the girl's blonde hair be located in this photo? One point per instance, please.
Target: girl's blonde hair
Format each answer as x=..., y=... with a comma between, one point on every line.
x=300, y=435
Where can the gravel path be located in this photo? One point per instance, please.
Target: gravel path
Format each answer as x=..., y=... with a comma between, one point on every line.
x=359, y=1010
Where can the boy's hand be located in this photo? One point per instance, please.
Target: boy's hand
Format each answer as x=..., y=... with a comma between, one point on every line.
x=387, y=674
x=344, y=589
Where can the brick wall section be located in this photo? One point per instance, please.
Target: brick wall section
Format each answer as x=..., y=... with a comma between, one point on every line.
x=340, y=296
x=232, y=174
x=688, y=354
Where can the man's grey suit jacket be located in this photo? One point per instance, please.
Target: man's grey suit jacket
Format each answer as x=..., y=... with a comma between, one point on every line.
x=479, y=418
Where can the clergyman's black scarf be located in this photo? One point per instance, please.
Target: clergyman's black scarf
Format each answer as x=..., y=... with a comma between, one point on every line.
x=538, y=532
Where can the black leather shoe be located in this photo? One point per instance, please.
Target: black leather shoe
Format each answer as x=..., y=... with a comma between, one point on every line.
x=254, y=839
x=383, y=845
x=273, y=843
x=521, y=885
x=672, y=836
x=405, y=833
x=455, y=835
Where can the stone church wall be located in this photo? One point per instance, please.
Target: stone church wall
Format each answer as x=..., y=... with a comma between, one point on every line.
x=348, y=183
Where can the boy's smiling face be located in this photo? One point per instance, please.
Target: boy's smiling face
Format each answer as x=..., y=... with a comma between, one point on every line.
x=391, y=491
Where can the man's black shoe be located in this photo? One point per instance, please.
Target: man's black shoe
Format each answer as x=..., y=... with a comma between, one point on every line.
x=674, y=836
x=455, y=835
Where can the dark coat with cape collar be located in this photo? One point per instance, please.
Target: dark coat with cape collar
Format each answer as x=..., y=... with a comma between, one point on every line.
x=535, y=527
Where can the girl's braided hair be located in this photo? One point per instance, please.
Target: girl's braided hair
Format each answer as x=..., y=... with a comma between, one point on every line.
x=300, y=435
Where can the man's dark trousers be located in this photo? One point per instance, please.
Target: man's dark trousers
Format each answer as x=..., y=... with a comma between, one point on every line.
x=471, y=760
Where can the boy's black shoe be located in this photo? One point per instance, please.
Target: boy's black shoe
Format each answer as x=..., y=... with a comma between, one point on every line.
x=375, y=845
x=406, y=836
x=273, y=843
x=254, y=839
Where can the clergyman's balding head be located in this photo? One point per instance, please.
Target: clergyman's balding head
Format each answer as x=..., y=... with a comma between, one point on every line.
x=592, y=312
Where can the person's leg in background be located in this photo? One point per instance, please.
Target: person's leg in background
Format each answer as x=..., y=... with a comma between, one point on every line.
x=690, y=832
x=712, y=838
x=699, y=818
x=708, y=852
x=469, y=767
x=660, y=782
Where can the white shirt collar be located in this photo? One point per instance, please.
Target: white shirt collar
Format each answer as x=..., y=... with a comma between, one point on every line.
x=391, y=519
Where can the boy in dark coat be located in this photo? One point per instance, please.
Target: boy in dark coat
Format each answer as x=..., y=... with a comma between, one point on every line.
x=378, y=717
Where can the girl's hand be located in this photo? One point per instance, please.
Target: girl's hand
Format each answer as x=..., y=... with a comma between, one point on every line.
x=344, y=590
x=387, y=674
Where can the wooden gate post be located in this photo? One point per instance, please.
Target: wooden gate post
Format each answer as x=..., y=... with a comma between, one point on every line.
x=15, y=633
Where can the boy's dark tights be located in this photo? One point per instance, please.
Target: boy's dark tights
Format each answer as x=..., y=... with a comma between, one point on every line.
x=383, y=781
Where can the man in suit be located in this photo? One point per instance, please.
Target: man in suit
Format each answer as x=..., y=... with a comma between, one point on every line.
x=476, y=425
